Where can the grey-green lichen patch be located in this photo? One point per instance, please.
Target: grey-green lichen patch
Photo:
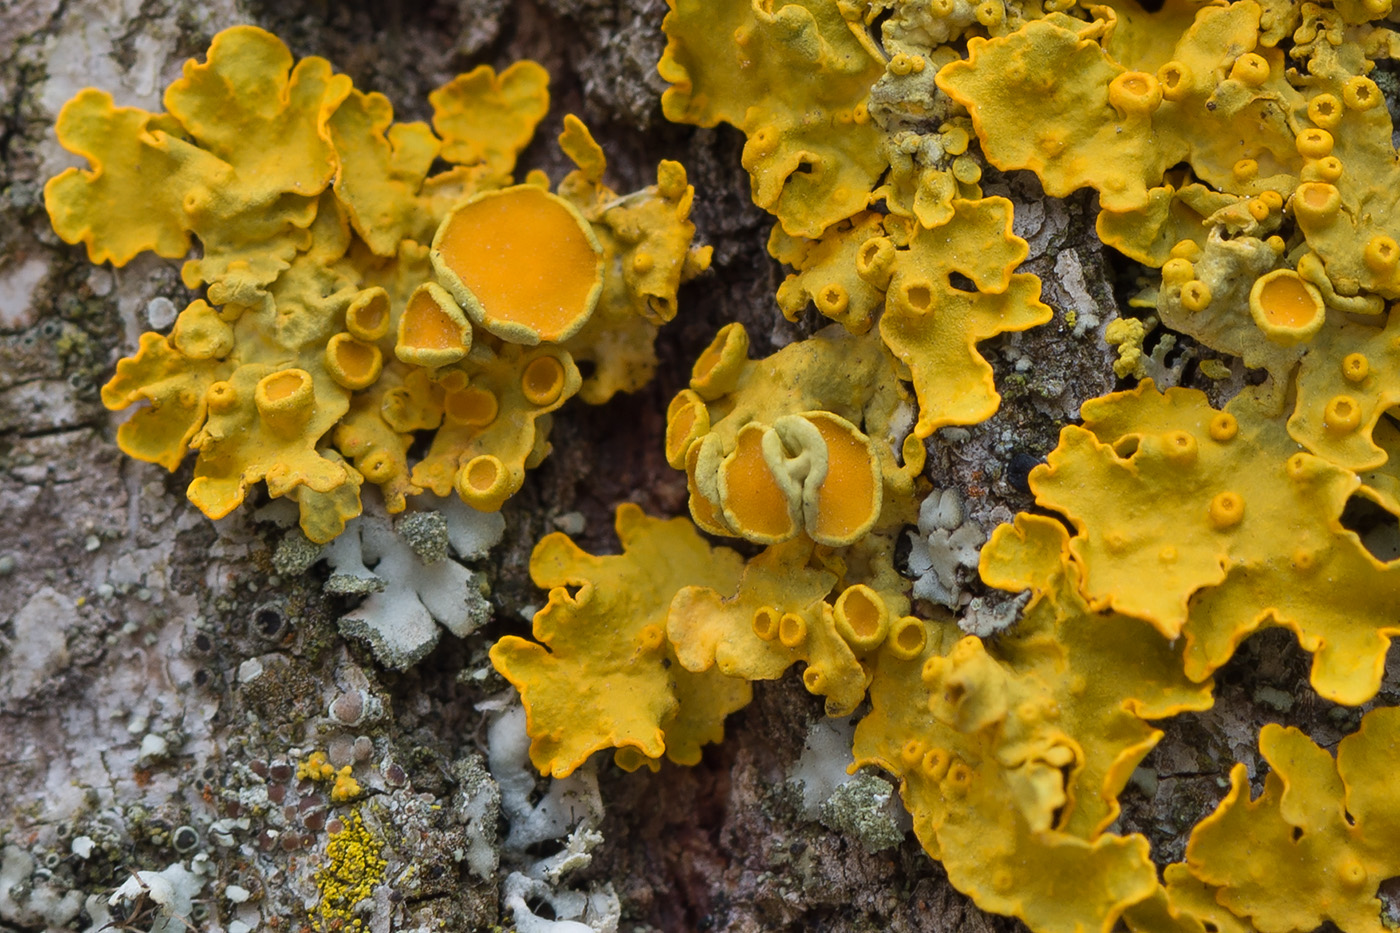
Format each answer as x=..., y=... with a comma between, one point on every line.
x=477, y=799
x=472, y=534
x=992, y=612
x=411, y=581
x=943, y=553
x=38, y=649
x=570, y=809
x=821, y=768
x=159, y=901
x=398, y=640
x=30, y=897
x=1273, y=697
x=19, y=281
x=295, y=553
x=862, y=808
x=426, y=534
x=354, y=584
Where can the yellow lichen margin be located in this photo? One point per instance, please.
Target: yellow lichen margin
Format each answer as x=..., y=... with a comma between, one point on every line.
x=381, y=169
x=1345, y=387
x=485, y=118
x=176, y=388
x=1235, y=524
x=157, y=179
x=604, y=674
x=1321, y=837
x=813, y=153
x=1049, y=98
x=646, y=242
x=1151, y=234
x=494, y=412
x=1011, y=756
x=933, y=326
x=1183, y=904
x=1052, y=80
x=1107, y=673
x=778, y=616
x=1187, y=464
x=827, y=272
x=988, y=822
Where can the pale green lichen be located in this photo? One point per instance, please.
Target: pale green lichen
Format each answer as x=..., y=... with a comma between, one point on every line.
x=426, y=534
x=860, y=808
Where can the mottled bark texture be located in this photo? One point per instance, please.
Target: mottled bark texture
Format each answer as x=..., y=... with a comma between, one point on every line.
x=158, y=672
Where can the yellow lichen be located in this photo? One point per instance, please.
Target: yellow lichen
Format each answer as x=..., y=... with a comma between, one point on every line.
x=603, y=674
x=1154, y=233
x=803, y=441
x=646, y=236
x=493, y=414
x=981, y=819
x=1345, y=389
x=315, y=767
x=1051, y=99
x=492, y=250
x=1073, y=649
x=1241, y=149
x=486, y=119
x=1004, y=753
x=354, y=868
x=381, y=171
x=1322, y=836
x=157, y=179
x=827, y=272
x=777, y=617
x=324, y=344
x=1235, y=524
x=1126, y=334
x=932, y=324
x=813, y=153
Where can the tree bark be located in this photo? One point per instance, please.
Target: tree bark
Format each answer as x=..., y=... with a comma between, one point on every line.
x=159, y=671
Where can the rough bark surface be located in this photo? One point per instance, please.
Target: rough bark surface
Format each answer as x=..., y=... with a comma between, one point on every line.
x=160, y=678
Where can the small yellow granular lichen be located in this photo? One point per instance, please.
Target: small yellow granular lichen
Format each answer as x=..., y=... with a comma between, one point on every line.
x=1127, y=333
x=353, y=869
x=345, y=787
x=317, y=769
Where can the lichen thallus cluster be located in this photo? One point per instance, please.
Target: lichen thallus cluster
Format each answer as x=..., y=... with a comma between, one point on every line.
x=1242, y=149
